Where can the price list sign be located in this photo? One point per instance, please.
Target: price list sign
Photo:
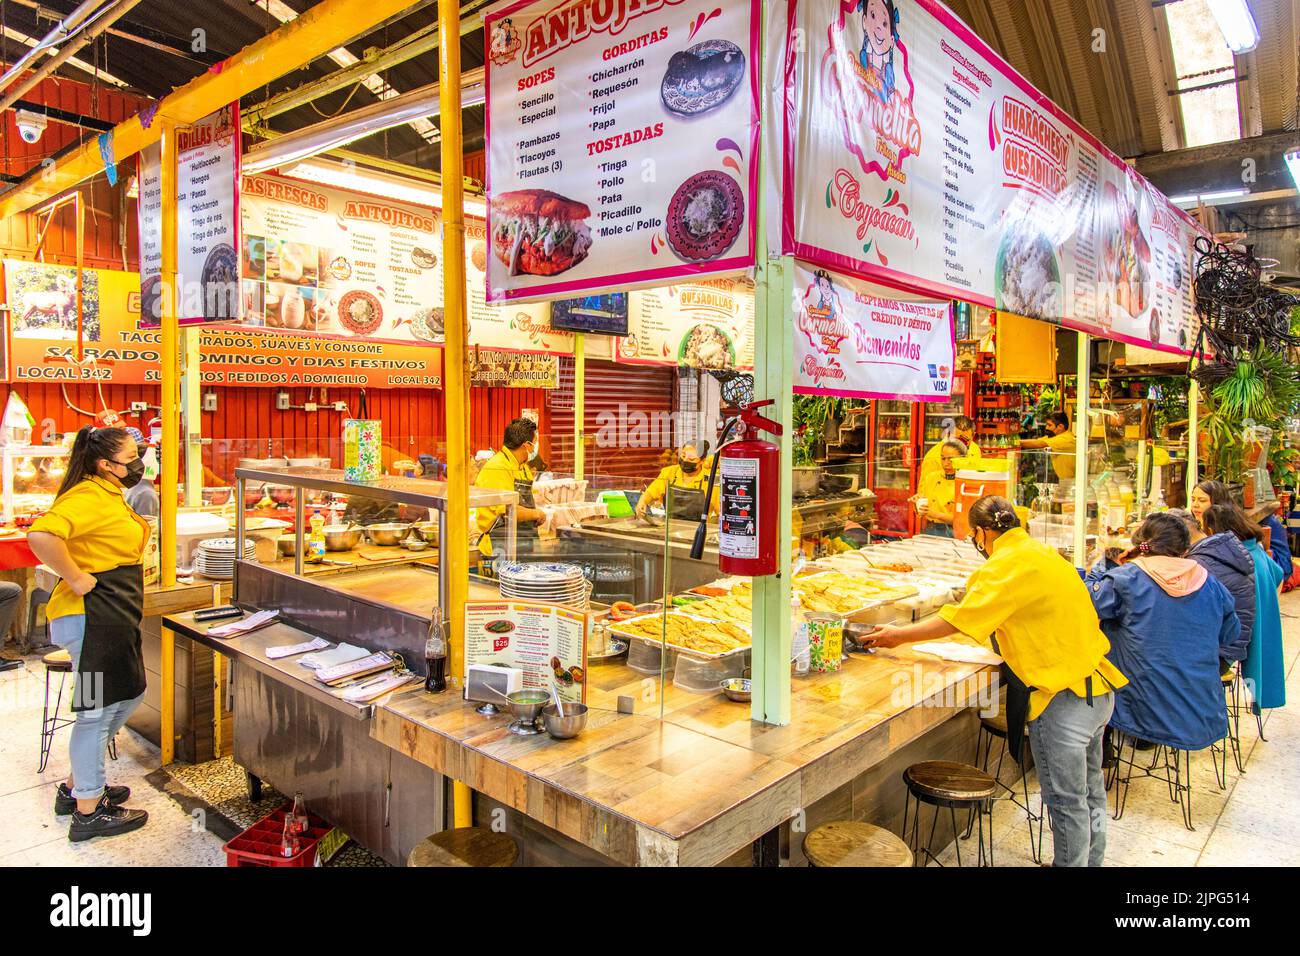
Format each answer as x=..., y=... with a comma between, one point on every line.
x=621, y=139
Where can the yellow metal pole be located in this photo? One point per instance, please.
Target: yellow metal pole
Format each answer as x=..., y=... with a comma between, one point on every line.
x=454, y=551
x=192, y=415
x=167, y=677
x=170, y=384
x=579, y=405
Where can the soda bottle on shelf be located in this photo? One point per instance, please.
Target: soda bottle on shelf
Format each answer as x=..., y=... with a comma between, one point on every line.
x=298, y=815
x=435, y=658
x=289, y=842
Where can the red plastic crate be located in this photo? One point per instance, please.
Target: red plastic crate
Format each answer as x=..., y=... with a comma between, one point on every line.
x=259, y=845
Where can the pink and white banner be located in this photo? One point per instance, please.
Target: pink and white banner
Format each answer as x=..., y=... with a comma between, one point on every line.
x=852, y=343
x=913, y=155
x=621, y=140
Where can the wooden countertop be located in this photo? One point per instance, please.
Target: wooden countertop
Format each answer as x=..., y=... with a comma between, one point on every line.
x=703, y=783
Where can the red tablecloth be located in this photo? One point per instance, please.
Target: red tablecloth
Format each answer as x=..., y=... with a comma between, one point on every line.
x=15, y=553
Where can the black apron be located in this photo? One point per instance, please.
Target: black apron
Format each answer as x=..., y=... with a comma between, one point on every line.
x=526, y=536
x=111, y=666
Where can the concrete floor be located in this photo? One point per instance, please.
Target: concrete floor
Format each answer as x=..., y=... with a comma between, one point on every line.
x=1251, y=823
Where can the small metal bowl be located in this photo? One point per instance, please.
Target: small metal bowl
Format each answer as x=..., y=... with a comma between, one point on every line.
x=217, y=496
x=426, y=531
x=285, y=545
x=387, y=535
x=282, y=494
x=340, y=537
x=415, y=544
x=527, y=704
x=737, y=689
x=568, y=726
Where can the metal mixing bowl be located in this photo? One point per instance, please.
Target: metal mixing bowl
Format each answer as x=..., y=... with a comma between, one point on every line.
x=341, y=537
x=426, y=531
x=737, y=689
x=387, y=535
x=285, y=544
x=568, y=726
x=527, y=704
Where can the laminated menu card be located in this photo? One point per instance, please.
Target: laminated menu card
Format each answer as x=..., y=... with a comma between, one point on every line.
x=548, y=642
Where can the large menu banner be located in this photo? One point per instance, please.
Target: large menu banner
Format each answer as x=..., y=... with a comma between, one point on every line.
x=852, y=343
x=914, y=155
x=707, y=324
x=124, y=349
x=621, y=138
x=207, y=217
x=334, y=262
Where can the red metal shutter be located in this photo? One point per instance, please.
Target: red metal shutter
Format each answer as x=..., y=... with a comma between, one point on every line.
x=629, y=417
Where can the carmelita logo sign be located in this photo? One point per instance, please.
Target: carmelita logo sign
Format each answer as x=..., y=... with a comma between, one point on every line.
x=76, y=909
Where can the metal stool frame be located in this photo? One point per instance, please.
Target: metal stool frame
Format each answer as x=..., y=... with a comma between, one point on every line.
x=51, y=722
x=1031, y=818
x=979, y=809
x=1175, y=774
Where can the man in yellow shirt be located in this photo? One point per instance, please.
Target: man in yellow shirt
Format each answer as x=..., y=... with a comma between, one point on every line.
x=1060, y=442
x=691, y=472
x=964, y=432
x=510, y=469
x=1048, y=634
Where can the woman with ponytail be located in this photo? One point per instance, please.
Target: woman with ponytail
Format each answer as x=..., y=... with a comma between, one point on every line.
x=92, y=539
x=1032, y=600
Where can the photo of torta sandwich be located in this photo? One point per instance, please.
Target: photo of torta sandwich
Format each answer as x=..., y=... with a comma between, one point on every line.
x=538, y=232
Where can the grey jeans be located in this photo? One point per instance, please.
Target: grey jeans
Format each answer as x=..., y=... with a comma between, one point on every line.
x=1067, y=739
x=94, y=728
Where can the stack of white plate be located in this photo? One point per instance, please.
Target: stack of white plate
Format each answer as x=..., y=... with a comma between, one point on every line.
x=215, y=557
x=548, y=583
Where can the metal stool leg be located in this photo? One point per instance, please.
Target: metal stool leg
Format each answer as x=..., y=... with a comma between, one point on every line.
x=112, y=747
x=50, y=722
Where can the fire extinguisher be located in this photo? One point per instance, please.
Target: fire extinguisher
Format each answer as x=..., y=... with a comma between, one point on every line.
x=749, y=471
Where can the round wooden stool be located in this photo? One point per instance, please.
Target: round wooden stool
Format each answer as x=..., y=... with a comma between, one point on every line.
x=58, y=662
x=956, y=786
x=995, y=728
x=845, y=843
x=468, y=846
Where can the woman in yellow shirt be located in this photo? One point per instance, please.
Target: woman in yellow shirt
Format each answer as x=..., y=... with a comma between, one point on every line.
x=939, y=490
x=92, y=539
x=1049, y=636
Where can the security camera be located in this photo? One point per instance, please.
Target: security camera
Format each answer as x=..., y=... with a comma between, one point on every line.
x=30, y=125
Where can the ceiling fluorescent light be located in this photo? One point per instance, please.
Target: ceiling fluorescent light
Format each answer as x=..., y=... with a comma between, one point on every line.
x=339, y=131
x=1293, y=166
x=1191, y=199
x=1236, y=24
x=376, y=184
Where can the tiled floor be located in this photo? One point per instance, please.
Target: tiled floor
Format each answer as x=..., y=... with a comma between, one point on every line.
x=1252, y=823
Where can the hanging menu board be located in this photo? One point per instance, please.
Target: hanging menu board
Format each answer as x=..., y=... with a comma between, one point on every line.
x=149, y=224
x=547, y=642
x=621, y=143
x=329, y=261
x=914, y=155
x=707, y=324
x=207, y=218
x=852, y=343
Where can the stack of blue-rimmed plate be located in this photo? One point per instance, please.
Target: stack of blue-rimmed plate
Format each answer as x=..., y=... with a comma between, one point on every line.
x=215, y=557
x=544, y=582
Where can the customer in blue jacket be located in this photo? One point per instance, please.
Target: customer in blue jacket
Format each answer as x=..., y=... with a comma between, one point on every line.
x=1211, y=492
x=1264, y=666
x=1168, y=621
x=1227, y=559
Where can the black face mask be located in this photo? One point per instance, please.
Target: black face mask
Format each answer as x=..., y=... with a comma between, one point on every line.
x=688, y=467
x=134, y=473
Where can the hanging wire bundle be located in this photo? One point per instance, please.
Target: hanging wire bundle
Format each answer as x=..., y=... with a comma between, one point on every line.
x=737, y=387
x=1237, y=311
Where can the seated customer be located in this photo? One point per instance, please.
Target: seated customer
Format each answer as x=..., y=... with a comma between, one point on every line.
x=1168, y=622
x=1227, y=559
x=1264, y=667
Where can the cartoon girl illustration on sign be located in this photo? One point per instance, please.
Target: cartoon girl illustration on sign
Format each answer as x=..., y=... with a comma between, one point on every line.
x=879, y=39
x=827, y=300
x=821, y=322
x=505, y=42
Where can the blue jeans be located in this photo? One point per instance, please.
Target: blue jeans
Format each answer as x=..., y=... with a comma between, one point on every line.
x=94, y=728
x=1066, y=739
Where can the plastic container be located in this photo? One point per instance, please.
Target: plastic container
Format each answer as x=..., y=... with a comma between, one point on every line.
x=704, y=676
x=643, y=657
x=259, y=845
x=617, y=503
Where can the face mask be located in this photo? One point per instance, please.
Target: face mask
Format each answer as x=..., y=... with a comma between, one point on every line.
x=688, y=467
x=532, y=455
x=134, y=472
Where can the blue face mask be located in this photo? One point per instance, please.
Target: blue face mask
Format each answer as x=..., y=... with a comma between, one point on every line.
x=532, y=455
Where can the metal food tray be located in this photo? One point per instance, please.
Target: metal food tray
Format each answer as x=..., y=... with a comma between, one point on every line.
x=615, y=628
x=871, y=606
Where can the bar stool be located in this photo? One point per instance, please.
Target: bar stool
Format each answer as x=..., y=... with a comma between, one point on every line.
x=58, y=662
x=992, y=728
x=846, y=843
x=467, y=846
x=1219, y=752
x=1169, y=765
x=957, y=786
